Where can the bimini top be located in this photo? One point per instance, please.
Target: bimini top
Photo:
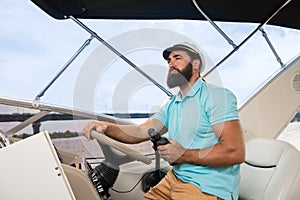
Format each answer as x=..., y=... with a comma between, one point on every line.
x=256, y=11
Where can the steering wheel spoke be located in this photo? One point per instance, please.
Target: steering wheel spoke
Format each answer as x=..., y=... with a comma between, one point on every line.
x=107, y=145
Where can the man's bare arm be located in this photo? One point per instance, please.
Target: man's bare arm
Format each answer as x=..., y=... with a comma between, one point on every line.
x=130, y=134
x=230, y=150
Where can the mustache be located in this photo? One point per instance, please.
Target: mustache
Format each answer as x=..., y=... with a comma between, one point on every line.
x=173, y=68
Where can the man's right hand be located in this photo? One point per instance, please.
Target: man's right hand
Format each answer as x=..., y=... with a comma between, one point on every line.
x=98, y=126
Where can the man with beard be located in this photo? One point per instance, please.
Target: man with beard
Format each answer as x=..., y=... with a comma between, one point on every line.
x=206, y=143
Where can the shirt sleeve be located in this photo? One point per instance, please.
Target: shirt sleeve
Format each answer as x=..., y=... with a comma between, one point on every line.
x=162, y=115
x=221, y=106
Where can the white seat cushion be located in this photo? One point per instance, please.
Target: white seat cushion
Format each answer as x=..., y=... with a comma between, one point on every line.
x=271, y=170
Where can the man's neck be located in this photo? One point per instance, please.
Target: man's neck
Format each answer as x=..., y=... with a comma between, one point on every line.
x=184, y=89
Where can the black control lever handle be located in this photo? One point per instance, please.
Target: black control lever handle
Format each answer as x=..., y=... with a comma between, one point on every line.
x=156, y=138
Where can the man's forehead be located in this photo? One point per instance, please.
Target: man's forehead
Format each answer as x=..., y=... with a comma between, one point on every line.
x=180, y=53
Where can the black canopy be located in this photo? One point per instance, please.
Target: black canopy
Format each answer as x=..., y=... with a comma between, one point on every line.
x=218, y=10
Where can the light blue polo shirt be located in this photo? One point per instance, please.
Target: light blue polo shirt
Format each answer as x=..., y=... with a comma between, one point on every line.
x=189, y=121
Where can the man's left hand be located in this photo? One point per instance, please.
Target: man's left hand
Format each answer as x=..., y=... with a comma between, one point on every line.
x=171, y=152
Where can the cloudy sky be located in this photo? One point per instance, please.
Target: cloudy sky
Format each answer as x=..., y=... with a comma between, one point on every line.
x=34, y=48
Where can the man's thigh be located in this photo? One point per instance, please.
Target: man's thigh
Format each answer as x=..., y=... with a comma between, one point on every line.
x=170, y=187
x=189, y=191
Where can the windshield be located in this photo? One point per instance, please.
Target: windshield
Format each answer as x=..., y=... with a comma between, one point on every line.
x=35, y=47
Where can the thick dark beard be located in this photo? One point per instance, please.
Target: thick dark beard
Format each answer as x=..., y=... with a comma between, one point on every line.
x=180, y=79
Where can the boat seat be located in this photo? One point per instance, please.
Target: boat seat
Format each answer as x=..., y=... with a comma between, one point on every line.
x=271, y=171
x=81, y=184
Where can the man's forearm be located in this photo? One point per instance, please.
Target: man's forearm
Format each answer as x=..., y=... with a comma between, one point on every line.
x=215, y=156
x=130, y=134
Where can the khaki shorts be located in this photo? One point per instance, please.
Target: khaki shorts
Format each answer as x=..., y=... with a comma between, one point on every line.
x=170, y=187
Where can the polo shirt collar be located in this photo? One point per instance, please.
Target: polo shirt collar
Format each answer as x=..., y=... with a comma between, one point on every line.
x=192, y=92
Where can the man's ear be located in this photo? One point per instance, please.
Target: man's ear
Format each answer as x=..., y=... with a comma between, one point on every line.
x=196, y=64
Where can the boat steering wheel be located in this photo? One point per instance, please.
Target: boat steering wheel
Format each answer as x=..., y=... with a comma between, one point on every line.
x=109, y=147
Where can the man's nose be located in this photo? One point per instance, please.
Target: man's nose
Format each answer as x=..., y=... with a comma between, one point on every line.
x=171, y=63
